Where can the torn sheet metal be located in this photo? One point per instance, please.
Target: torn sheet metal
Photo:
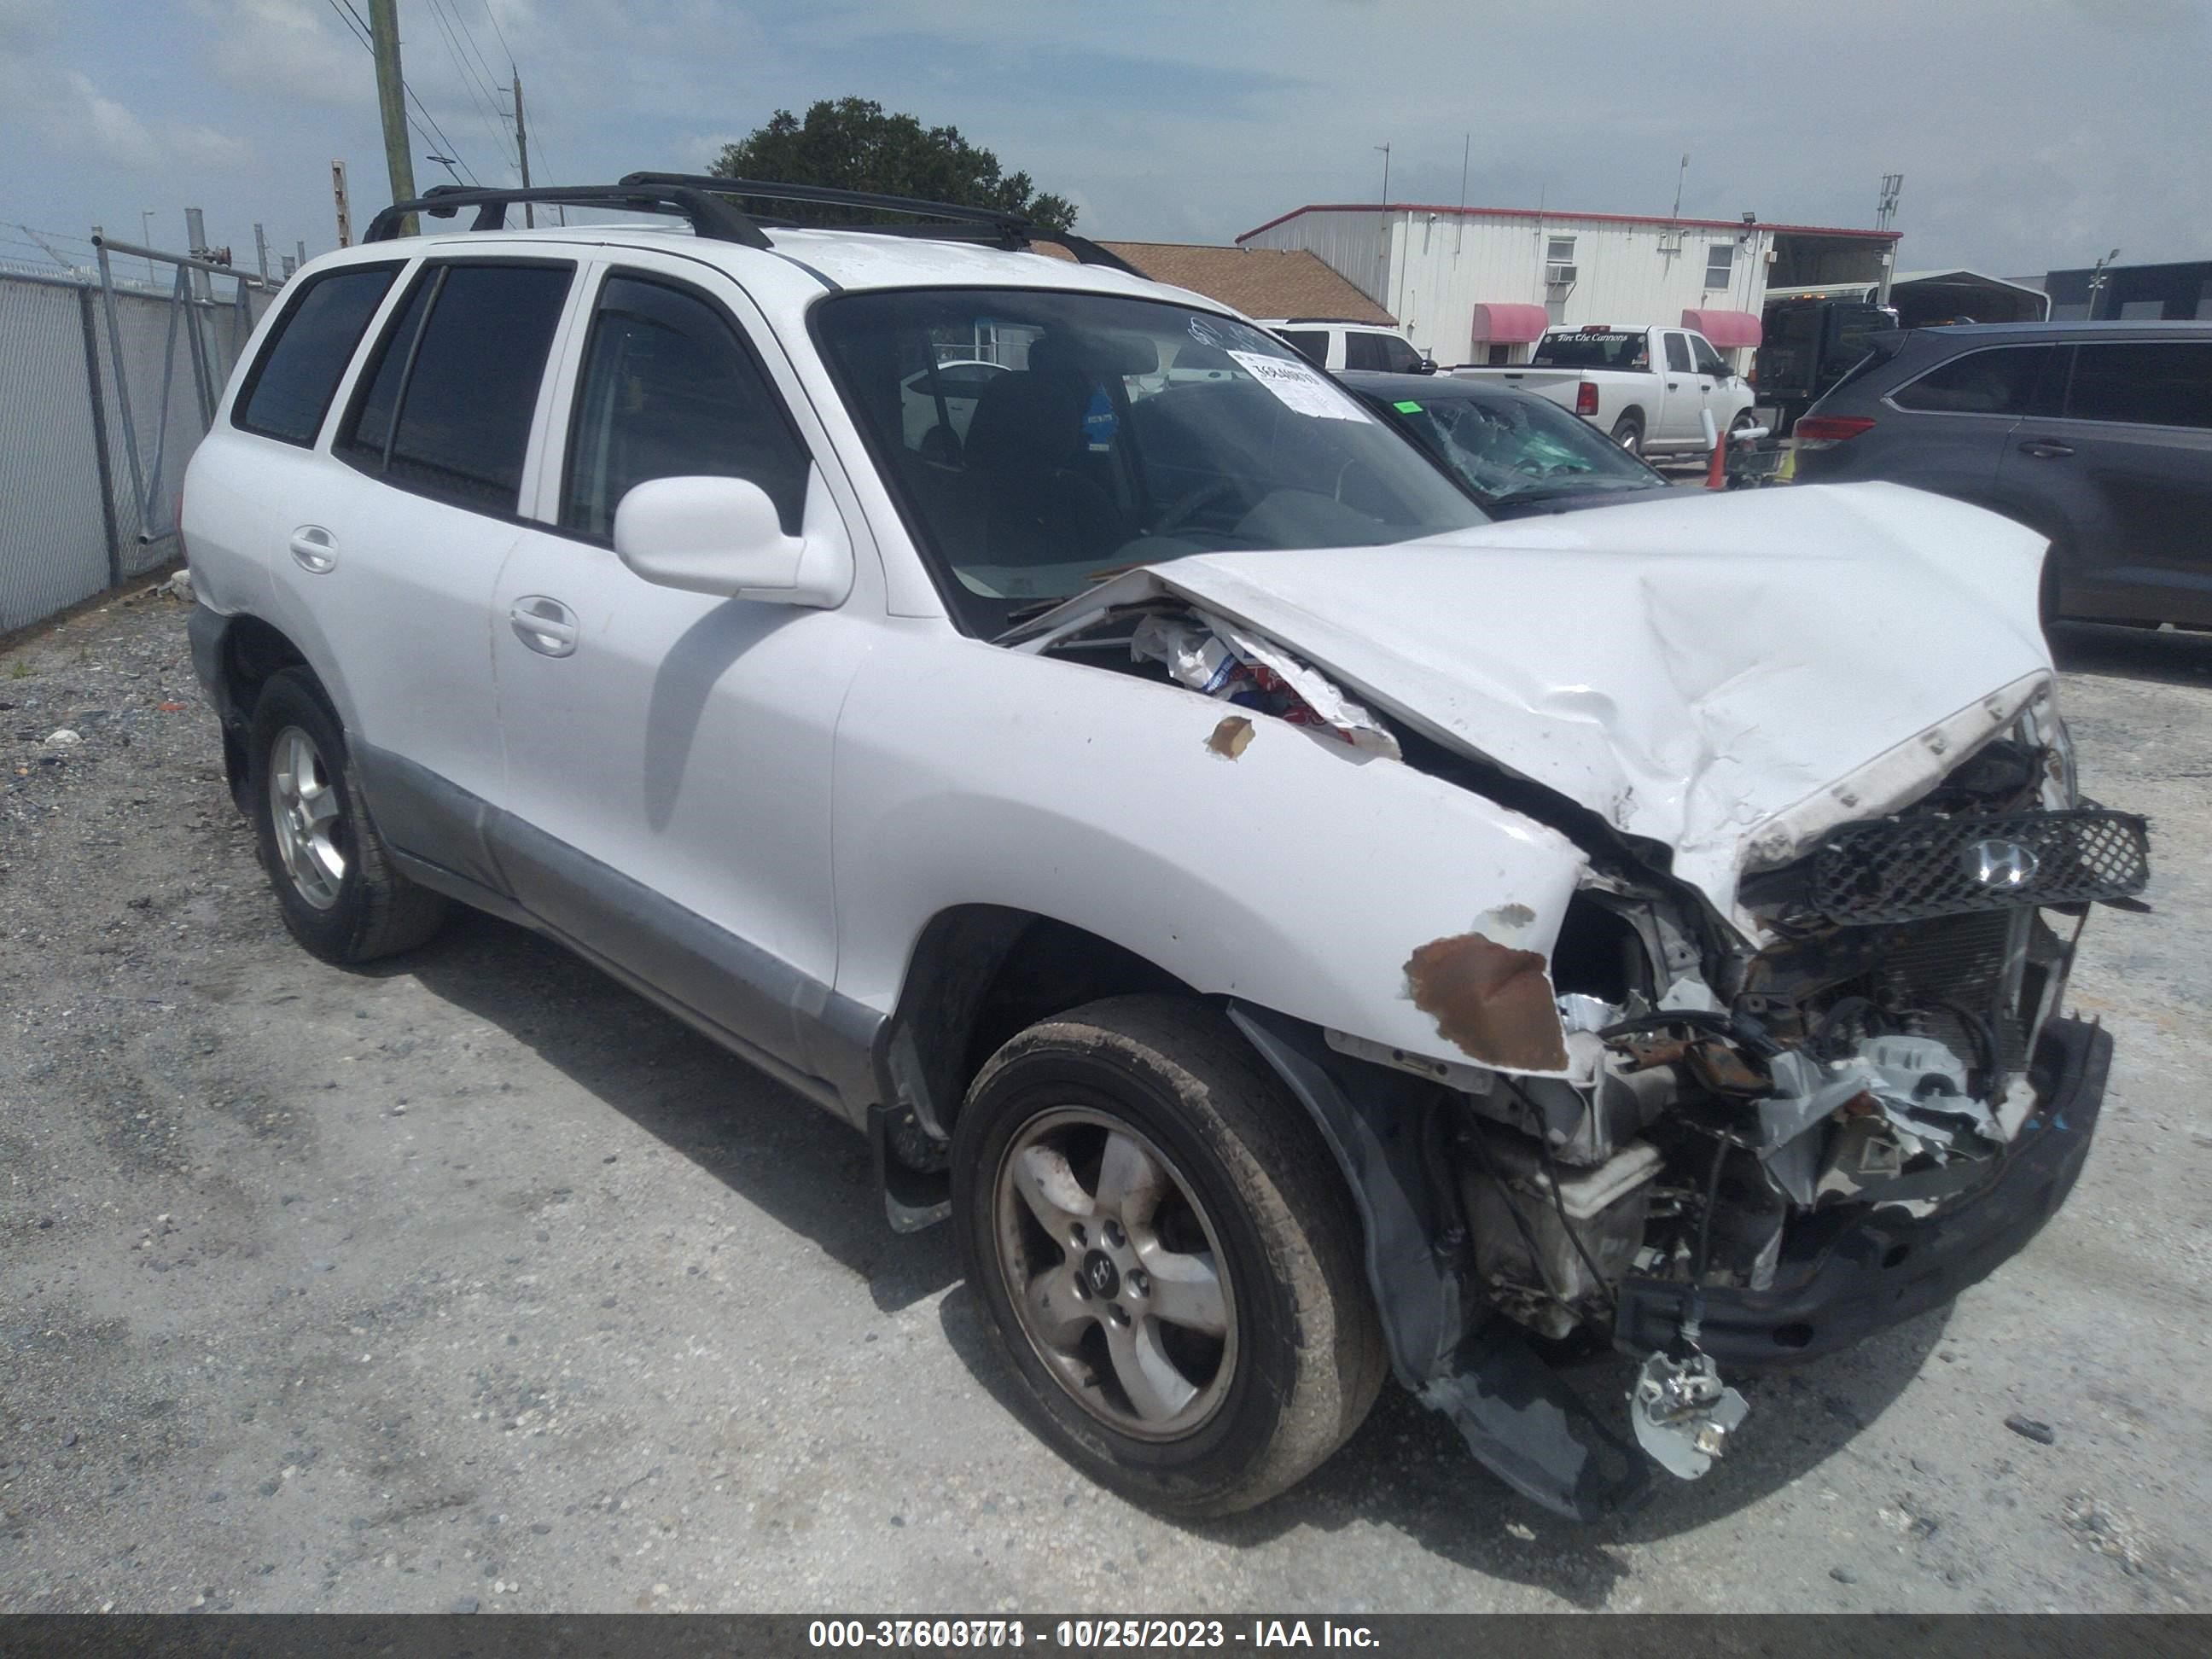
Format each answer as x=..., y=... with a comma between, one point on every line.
x=1491, y=1001
x=1728, y=674
x=1210, y=654
x=1895, y=1099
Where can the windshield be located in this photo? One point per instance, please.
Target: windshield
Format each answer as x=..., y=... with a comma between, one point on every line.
x=1120, y=432
x=1593, y=348
x=1523, y=447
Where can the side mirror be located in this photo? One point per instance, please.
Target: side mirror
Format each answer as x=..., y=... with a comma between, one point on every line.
x=1426, y=366
x=722, y=537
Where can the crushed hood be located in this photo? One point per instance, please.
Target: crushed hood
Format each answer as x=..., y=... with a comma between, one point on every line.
x=1730, y=675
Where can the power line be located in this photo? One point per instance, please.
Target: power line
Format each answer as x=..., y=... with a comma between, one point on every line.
x=500, y=31
x=359, y=29
x=491, y=75
x=470, y=81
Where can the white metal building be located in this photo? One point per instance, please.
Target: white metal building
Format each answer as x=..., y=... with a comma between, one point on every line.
x=1475, y=285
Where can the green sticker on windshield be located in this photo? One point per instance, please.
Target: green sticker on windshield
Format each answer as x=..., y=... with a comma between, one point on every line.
x=1407, y=409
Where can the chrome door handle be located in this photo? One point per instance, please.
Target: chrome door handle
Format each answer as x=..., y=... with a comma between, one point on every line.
x=546, y=626
x=2045, y=450
x=314, y=550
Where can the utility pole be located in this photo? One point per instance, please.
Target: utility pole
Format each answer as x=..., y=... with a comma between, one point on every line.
x=261, y=252
x=345, y=212
x=391, y=103
x=1382, y=249
x=196, y=234
x=1466, y=149
x=1893, y=184
x=521, y=144
x=299, y=254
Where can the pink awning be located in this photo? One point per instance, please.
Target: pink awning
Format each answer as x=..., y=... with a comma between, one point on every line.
x=1510, y=324
x=1725, y=329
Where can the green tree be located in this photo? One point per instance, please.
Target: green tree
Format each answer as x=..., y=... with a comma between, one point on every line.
x=854, y=145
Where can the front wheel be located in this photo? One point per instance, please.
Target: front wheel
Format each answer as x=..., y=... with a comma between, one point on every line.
x=1169, y=1259
x=1628, y=433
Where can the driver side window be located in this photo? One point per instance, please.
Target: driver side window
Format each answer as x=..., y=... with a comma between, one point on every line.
x=669, y=390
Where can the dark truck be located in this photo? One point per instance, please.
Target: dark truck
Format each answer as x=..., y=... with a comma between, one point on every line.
x=1810, y=343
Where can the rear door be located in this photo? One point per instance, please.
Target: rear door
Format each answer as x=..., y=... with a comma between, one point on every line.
x=415, y=512
x=1954, y=426
x=2127, y=461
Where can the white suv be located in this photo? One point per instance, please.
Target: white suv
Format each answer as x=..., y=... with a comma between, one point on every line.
x=1292, y=926
x=1337, y=343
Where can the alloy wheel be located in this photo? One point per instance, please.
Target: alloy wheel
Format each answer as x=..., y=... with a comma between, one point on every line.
x=1115, y=1271
x=304, y=807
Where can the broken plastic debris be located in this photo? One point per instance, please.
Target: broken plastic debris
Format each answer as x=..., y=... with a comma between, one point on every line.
x=1211, y=655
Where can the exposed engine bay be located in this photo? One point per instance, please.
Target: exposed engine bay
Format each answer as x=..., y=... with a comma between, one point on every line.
x=1711, y=1117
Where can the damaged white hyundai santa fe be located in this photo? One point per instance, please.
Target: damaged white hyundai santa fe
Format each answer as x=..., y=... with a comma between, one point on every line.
x=1293, y=929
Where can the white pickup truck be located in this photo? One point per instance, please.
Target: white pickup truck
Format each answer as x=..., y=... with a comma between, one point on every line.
x=1649, y=387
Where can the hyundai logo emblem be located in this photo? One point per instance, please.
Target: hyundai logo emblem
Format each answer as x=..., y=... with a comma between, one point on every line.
x=2003, y=865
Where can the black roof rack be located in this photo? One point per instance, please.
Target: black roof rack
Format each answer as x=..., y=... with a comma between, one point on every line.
x=1004, y=229
x=710, y=216
x=702, y=199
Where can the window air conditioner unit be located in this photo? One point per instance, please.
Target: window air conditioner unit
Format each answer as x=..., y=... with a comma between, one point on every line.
x=1559, y=276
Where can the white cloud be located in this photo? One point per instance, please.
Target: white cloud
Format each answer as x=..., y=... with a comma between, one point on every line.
x=109, y=129
x=294, y=49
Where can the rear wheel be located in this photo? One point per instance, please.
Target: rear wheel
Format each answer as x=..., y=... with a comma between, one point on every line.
x=341, y=898
x=1628, y=433
x=1169, y=1259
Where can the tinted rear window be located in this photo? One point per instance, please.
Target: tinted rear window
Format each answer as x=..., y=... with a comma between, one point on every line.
x=2000, y=380
x=1366, y=351
x=2145, y=383
x=290, y=388
x=463, y=381
x=1593, y=348
x=1311, y=343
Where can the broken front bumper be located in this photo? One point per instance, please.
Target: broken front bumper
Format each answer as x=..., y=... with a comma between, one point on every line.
x=1881, y=1267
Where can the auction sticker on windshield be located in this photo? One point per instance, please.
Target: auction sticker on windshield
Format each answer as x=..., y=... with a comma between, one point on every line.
x=1300, y=388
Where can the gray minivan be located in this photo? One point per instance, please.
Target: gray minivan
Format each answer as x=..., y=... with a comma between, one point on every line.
x=2098, y=434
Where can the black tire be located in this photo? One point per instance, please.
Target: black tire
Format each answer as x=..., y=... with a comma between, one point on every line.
x=372, y=910
x=1628, y=433
x=1306, y=1344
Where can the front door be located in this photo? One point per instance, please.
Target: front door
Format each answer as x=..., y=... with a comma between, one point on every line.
x=669, y=753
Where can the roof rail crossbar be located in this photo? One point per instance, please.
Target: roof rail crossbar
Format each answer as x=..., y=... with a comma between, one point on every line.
x=709, y=215
x=1012, y=228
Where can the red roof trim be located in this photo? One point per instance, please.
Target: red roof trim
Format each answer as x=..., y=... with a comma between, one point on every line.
x=1553, y=213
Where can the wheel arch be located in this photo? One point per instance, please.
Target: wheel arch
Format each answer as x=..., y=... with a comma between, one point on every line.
x=978, y=973
x=236, y=656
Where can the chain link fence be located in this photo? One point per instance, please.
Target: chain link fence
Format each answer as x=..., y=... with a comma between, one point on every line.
x=106, y=386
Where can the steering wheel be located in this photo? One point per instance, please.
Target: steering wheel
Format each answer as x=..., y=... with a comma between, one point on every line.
x=1178, y=513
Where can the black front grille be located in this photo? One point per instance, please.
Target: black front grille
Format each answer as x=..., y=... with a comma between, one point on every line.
x=1910, y=869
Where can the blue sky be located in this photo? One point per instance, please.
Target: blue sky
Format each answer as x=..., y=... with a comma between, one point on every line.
x=2033, y=134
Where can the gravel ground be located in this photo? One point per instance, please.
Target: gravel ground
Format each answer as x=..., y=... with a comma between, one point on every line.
x=474, y=1282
